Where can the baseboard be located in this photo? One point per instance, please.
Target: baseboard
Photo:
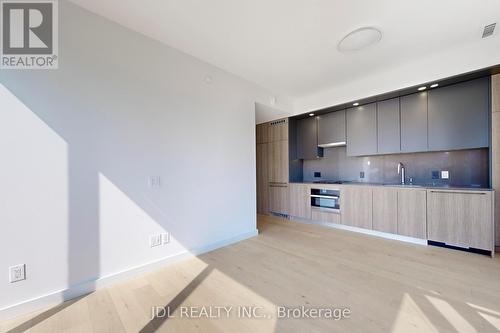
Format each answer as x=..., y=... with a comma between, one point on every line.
x=386, y=235
x=57, y=297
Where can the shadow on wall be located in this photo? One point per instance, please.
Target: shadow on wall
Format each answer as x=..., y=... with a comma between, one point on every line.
x=79, y=143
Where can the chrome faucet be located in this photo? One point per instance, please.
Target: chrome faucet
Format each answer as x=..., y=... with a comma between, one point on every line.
x=401, y=171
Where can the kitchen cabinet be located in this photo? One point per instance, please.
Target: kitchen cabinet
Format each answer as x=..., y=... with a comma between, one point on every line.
x=356, y=206
x=331, y=129
x=278, y=130
x=300, y=201
x=388, y=127
x=414, y=122
x=385, y=209
x=278, y=162
x=459, y=116
x=321, y=215
x=362, y=130
x=278, y=198
x=412, y=213
x=262, y=179
x=307, y=139
x=461, y=218
x=262, y=133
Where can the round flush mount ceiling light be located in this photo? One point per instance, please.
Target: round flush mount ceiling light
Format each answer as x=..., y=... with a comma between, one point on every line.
x=359, y=39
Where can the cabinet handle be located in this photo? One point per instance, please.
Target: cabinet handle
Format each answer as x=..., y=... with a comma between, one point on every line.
x=324, y=196
x=277, y=185
x=459, y=192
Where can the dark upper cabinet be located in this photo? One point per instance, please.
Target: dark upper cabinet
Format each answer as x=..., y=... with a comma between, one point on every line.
x=388, y=125
x=331, y=129
x=414, y=122
x=459, y=116
x=362, y=130
x=307, y=139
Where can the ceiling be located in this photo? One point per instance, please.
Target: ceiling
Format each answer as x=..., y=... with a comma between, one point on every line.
x=290, y=46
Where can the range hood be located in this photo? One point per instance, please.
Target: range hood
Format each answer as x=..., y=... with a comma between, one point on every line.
x=333, y=144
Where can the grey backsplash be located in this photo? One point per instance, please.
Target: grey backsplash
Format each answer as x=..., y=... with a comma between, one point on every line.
x=466, y=167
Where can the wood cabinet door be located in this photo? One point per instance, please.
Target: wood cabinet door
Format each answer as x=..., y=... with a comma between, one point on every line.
x=414, y=122
x=459, y=116
x=388, y=126
x=262, y=179
x=278, y=130
x=262, y=133
x=356, y=207
x=362, y=130
x=278, y=162
x=385, y=209
x=300, y=201
x=324, y=216
x=278, y=198
x=462, y=219
x=481, y=221
x=331, y=128
x=307, y=139
x=412, y=213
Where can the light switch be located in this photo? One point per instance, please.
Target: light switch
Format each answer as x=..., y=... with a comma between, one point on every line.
x=17, y=273
x=154, y=182
x=445, y=175
x=155, y=240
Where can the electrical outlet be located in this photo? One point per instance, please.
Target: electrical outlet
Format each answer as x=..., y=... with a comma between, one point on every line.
x=317, y=174
x=445, y=174
x=154, y=182
x=165, y=238
x=362, y=174
x=435, y=174
x=17, y=273
x=155, y=240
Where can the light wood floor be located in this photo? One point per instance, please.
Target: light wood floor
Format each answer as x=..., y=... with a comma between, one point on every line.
x=389, y=286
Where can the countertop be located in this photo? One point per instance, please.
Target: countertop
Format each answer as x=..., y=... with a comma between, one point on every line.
x=415, y=186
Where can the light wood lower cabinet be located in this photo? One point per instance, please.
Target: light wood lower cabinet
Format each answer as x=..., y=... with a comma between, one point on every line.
x=356, y=206
x=262, y=179
x=278, y=162
x=300, y=201
x=463, y=219
x=278, y=198
x=324, y=216
x=412, y=213
x=385, y=209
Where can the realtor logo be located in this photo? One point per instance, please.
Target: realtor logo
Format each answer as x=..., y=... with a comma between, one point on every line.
x=29, y=36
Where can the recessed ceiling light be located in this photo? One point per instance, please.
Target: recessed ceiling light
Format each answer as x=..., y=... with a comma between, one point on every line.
x=435, y=85
x=359, y=39
x=311, y=114
x=355, y=104
x=422, y=88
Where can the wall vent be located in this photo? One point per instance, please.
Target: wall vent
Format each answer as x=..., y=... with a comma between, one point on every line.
x=488, y=30
x=278, y=122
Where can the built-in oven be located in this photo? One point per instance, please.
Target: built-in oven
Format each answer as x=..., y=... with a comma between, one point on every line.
x=327, y=199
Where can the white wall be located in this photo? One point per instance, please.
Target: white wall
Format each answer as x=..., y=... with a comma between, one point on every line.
x=479, y=55
x=77, y=145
